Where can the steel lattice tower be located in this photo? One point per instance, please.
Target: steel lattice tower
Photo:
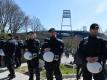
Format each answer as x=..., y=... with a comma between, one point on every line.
x=66, y=16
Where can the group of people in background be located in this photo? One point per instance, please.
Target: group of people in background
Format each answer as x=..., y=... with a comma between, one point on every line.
x=14, y=47
x=91, y=49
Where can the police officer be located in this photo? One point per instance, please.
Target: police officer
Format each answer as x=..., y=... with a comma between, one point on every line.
x=92, y=49
x=78, y=63
x=9, y=50
x=56, y=46
x=18, y=53
x=2, y=41
x=33, y=45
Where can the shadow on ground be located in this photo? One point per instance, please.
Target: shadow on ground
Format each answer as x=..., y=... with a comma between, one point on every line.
x=6, y=78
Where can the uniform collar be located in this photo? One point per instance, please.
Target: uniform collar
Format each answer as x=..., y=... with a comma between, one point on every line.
x=92, y=37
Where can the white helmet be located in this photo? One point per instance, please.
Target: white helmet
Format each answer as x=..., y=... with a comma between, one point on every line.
x=95, y=67
x=48, y=56
x=28, y=56
x=2, y=52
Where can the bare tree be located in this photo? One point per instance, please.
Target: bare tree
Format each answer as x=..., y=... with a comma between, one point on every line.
x=26, y=23
x=13, y=11
x=17, y=20
x=13, y=19
x=5, y=5
x=36, y=25
x=72, y=43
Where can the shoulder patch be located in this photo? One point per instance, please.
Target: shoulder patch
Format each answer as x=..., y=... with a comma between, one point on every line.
x=102, y=38
x=60, y=40
x=13, y=41
x=85, y=38
x=37, y=40
x=99, y=37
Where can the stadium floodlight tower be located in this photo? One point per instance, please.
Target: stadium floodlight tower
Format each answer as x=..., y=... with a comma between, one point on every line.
x=67, y=26
x=66, y=20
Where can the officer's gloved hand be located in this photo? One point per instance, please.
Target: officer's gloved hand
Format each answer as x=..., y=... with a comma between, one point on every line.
x=34, y=54
x=26, y=50
x=56, y=57
x=92, y=59
x=47, y=49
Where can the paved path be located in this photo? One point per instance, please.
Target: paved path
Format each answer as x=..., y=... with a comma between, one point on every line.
x=19, y=76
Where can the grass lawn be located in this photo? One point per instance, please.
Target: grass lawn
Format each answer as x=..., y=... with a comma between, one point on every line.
x=65, y=69
x=22, y=69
